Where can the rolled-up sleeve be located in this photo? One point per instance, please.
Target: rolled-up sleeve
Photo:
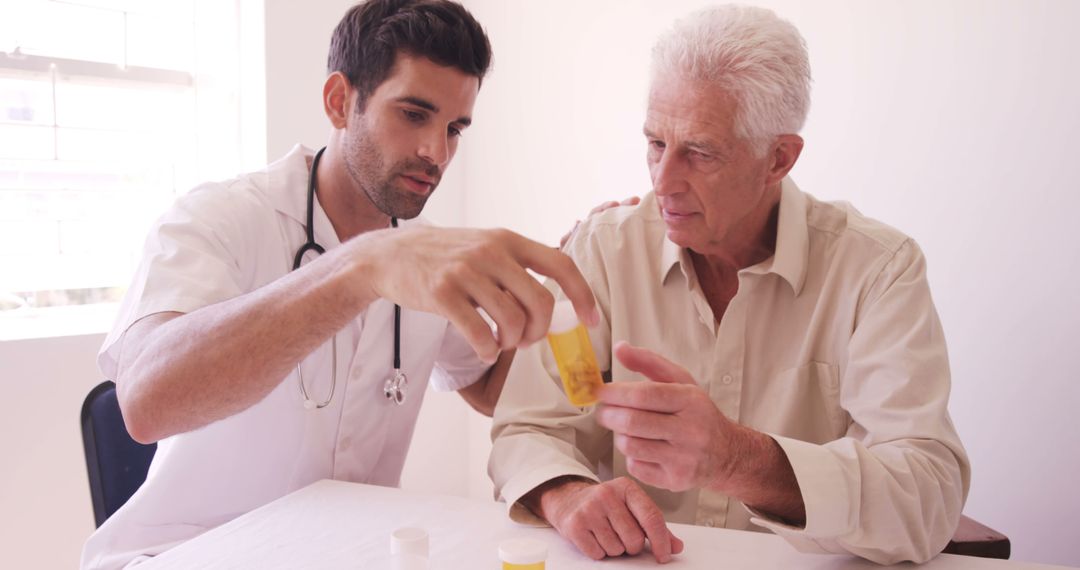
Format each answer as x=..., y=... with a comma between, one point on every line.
x=190, y=260
x=457, y=365
x=893, y=488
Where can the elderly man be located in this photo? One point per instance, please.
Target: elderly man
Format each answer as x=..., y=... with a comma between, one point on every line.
x=804, y=381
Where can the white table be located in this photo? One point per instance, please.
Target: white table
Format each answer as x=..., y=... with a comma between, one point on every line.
x=332, y=524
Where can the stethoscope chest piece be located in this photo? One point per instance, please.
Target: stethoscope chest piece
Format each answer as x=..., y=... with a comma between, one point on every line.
x=395, y=387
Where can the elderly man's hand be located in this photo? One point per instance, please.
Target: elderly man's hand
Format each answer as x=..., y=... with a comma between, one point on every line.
x=605, y=519
x=672, y=434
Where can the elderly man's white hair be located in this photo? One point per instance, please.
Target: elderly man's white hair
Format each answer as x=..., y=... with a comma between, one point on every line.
x=752, y=54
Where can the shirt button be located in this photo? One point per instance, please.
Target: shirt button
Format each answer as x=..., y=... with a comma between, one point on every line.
x=727, y=379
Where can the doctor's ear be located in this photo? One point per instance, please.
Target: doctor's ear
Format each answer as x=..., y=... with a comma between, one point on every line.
x=337, y=99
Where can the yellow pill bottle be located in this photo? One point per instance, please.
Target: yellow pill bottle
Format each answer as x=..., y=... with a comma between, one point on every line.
x=574, y=355
x=522, y=554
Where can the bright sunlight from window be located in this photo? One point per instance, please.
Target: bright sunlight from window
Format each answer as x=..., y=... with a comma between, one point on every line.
x=108, y=110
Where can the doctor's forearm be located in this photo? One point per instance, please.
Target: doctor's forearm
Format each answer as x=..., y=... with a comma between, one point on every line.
x=207, y=365
x=484, y=394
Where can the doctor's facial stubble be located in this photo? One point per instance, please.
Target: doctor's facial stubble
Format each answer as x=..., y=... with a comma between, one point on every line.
x=366, y=164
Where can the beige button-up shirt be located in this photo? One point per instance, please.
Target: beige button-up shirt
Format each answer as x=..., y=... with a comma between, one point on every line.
x=832, y=346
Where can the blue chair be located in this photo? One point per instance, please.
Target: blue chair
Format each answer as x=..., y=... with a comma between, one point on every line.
x=115, y=463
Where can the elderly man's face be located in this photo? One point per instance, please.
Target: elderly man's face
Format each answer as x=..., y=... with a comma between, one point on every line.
x=709, y=185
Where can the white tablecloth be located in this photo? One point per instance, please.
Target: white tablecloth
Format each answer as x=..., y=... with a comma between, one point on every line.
x=332, y=524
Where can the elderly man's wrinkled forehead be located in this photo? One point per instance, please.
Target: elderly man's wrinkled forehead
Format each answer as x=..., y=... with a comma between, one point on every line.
x=677, y=101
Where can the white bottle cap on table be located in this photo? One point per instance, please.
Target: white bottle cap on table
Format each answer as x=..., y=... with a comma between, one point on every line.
x=409, y=540
x=563, y=317
x=522, y=551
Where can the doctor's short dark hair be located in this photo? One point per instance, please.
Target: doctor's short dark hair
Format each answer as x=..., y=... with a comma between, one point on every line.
x=370, y=35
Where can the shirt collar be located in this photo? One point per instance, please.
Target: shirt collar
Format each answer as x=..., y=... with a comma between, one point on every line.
x=792, y=243
x=792, y=239
x=672, y=256
x=287, y=184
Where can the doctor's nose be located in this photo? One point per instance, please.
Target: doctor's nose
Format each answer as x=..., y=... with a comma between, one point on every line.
x=435, y=149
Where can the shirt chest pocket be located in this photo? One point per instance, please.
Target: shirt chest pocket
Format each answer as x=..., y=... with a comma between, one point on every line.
x=804, y=403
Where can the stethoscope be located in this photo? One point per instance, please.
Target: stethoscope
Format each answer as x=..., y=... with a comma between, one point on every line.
x=395, y=387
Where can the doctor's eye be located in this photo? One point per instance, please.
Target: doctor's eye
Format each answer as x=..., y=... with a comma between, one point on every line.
x=453, y=131
x=414, y=116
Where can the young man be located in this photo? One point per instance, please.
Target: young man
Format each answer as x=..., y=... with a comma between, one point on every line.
x=804, y=381
x=262, y=366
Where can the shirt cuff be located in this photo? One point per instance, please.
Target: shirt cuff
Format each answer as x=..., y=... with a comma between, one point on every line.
x=821, y=480
x=520, y=486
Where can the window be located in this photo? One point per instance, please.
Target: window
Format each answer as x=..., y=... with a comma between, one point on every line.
x=108, y=110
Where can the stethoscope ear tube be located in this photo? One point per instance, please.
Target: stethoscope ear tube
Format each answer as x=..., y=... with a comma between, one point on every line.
x=309, y=227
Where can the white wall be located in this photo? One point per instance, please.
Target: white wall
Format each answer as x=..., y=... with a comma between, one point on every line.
x=44, y=493
x=954, y=121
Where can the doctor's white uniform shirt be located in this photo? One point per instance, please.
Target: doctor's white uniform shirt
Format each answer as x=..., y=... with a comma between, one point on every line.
x=226, y=239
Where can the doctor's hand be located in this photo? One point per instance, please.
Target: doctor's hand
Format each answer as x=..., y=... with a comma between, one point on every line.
x=604, y=519
x=455, y=272
x=631, y=201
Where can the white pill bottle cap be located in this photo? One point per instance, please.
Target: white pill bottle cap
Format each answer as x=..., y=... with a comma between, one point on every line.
x=409, y=540
x=522, y=551
x=563, y=317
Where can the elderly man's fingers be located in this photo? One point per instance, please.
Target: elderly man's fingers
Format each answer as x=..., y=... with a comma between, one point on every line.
x=677, y=544
x=651, y=364
x=641, y=449
x=648, y=396
x=630, y=534
x=650, y=518
x=637, y=423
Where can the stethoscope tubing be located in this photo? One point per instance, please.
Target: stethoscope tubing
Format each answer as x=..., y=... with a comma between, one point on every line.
x=394, y=388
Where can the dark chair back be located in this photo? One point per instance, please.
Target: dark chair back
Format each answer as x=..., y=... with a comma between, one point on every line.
x=115, y=463
x=972, y=538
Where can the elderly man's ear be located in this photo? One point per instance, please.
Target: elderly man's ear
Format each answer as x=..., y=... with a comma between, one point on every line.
x=785, y=152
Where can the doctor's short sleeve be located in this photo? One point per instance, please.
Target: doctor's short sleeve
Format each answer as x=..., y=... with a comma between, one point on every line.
x=457, y=365
x=190, y=260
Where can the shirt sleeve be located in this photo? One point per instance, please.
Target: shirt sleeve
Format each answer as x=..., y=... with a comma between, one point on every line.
x=189, y=261
x=893, y=488
x=457, y=364
x=537, y=435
